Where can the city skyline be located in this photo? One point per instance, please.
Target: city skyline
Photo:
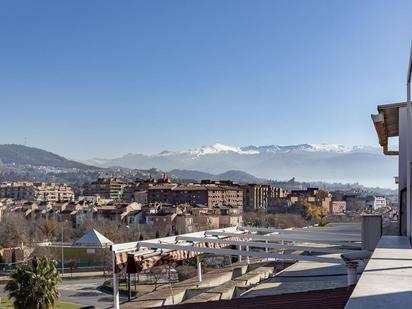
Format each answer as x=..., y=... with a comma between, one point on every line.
x=100, y=80
x=210, y=153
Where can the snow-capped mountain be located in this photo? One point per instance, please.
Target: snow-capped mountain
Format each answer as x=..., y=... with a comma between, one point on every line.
x=253, y=150
x=327, y=162
x=300, y=148
x=213, y=149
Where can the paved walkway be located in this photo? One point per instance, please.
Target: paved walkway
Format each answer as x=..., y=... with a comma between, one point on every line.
x=83, y=292
x=74, y=275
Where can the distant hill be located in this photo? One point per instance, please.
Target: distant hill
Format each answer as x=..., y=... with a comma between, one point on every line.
x=23, y=155
x=238, y=176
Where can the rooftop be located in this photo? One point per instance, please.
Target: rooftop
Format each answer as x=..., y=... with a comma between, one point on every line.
x=303, y=276
x=320, y=299
x=387, y=279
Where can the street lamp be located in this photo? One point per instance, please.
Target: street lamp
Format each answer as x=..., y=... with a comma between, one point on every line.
x=62, y=243
x=62, y=250
x=408, y=80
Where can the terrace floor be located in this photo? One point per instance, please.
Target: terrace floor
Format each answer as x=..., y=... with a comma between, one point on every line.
x=302, y=277
x=387, y=279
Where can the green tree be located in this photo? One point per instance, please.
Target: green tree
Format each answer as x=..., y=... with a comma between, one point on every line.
x=34, y=286
x=322, y=218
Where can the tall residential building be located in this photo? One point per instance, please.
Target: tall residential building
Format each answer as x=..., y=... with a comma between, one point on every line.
x=107, y=188
x=208, y=195
x=259, y=196
x=256, y=196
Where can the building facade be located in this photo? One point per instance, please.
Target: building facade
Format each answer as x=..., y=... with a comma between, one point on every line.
x=193, y=194
x=107, y=188
x=337, y=207
x=256, y=196
x=42, y=192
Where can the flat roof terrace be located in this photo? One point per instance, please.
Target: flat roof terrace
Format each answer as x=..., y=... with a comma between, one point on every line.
x=302, y=276
x=387, y=279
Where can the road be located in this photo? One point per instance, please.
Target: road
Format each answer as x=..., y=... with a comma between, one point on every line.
x=82, y=292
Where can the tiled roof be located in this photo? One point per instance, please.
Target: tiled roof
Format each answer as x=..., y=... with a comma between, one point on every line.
x=319, y=299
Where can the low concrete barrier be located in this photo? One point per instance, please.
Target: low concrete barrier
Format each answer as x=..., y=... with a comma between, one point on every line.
x=189, y=288
x=229, y=289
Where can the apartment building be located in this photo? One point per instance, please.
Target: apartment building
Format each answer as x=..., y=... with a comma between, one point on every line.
x=107, y=188
x=278, y=193
x=118, y=212
x=313, y=196
x=376, y=202
x=185, y=224
x=256, y=196
x=43, y=192
x=260, y=196
x=337, y=207
x=134, y=192
x=17, y=190
x=209, y=195
x=51, y=192
x=215, y=217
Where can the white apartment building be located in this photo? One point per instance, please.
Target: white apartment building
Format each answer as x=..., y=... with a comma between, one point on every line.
x=380, y=202
x=42, y=192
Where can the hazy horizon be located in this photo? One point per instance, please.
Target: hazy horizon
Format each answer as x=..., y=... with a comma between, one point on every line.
x=136, y=151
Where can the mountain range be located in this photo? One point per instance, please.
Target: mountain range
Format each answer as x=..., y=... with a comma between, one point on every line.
x=310, y=162
x=330, y=163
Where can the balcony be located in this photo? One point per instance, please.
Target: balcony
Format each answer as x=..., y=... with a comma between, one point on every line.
x=386, y=281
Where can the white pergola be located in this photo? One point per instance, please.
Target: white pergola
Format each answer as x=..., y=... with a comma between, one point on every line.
x=301, y=239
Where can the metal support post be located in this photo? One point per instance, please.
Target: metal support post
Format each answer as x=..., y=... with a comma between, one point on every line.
x=116, y=303
x=199, y=269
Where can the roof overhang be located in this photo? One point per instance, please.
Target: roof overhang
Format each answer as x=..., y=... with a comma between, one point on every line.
x=386, y=124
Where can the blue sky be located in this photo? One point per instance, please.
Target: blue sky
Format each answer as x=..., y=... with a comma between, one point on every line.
x=103, y=78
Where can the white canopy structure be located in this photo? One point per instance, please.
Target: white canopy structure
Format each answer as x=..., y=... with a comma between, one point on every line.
x=93, y=239
x=235, y=241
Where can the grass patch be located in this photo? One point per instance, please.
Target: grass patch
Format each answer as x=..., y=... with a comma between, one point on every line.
x=8, y=303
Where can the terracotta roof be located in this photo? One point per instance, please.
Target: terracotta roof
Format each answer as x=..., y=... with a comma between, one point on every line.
x=319, y=299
